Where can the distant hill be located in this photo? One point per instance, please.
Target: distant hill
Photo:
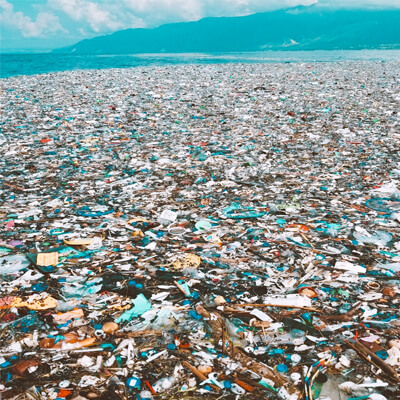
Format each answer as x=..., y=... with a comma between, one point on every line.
x=300, y=28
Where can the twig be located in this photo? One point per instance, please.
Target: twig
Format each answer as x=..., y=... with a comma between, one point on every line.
x=13, y=186
x=304, y=237
x=223, y=338
x=196, y=372
x=181, y=288
x=275, y=305
x=372, y=358
x=342, y=317
x=146, y=332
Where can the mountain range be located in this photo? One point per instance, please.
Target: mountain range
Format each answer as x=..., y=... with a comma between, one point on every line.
x=299, y=28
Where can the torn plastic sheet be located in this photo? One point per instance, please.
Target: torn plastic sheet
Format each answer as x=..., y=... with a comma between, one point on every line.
x=140, y=306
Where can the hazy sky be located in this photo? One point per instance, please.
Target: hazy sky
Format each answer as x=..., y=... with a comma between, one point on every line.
x=33, y=24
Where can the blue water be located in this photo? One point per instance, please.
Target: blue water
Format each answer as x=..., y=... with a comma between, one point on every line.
x=31, y=64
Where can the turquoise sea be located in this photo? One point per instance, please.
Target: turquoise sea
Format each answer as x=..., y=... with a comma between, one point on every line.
x=31, y=64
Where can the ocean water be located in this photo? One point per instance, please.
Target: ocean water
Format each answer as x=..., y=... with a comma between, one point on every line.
x=31, y=64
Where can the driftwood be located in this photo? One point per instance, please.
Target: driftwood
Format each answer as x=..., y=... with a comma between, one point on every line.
x=273, y=305
x=216, y=323
x=214, y=319
x=13, y=186
x=342, y=317
x=371, y=357
x=143, y=333
x=196, y=372
x=259, y=368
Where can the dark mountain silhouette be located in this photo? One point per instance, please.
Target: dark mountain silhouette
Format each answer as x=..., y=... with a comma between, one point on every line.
x=300, y=28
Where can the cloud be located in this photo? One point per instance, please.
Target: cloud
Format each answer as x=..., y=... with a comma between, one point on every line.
x=245, y=7
x=360, y=3
x=45, y=23
x=156, y=11
x=99, y=16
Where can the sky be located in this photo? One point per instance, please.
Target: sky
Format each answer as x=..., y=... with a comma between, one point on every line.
x=48, y=24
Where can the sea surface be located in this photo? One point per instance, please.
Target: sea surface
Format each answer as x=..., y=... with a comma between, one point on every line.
x=31, y=64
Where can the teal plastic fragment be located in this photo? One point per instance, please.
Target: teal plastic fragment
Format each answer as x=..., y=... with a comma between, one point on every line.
x=203, y=225
x=329, y=229
x=264, y=383
x=281, y=222
x=186, y=288
x=236, y=211
x=72, y=291
x=140, y=306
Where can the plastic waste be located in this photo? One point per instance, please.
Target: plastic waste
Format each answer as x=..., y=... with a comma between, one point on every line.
x=216, y=231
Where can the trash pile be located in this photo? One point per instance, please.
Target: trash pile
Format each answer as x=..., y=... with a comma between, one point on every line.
x=214, y=231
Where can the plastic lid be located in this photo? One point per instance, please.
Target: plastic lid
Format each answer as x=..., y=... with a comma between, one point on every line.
x=282, y=368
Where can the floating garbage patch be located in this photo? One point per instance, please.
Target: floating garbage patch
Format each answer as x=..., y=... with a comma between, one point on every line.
x=215, y=231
